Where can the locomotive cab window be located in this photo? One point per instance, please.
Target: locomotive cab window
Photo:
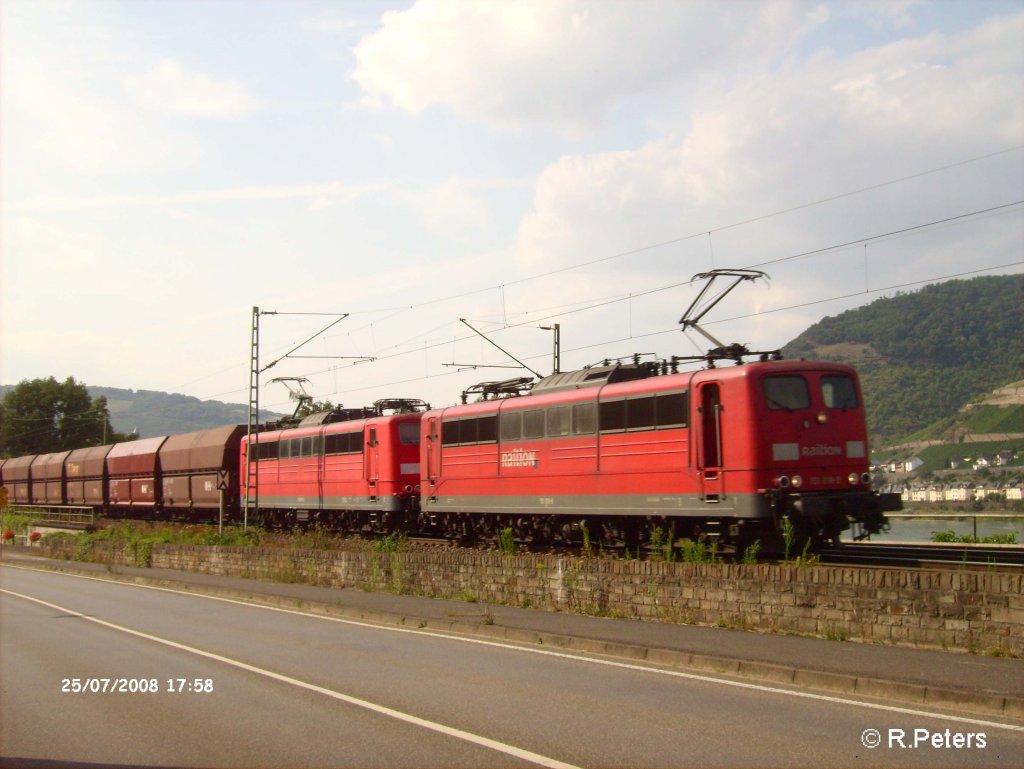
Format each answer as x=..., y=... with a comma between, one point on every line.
x=409, y=433
x=839, y=392
x=786, y=393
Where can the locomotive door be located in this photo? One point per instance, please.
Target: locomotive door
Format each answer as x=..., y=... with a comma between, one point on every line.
x=433, y=451
x=710, y=451
x=372, y=457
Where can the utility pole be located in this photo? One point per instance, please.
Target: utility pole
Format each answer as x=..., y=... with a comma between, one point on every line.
x=252, y=494
x=557, y=353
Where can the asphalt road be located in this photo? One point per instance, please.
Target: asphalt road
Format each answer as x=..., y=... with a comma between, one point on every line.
x=203, y=682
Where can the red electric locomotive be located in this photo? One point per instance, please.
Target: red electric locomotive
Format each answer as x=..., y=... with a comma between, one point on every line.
x=732, y=453
x=360, y=472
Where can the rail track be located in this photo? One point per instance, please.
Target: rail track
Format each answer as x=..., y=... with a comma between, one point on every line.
x=1002, y=557
x=899, y=555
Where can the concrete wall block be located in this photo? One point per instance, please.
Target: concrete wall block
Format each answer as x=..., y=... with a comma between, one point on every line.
x=939, y=608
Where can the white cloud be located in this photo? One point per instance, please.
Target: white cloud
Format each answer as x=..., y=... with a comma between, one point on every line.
x=897, y=13
x=64, y=105
x=331, y=25
x=803, y=133
x=563, y=63
x=320, y=196
x=167, y=87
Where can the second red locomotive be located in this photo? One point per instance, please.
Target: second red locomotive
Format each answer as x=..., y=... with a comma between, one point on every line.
x=738, y=454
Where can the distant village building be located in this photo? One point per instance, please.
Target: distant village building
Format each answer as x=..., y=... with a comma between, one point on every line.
x=1003, y=458
x=988, y=492
x=984, y=461
x=958, y=493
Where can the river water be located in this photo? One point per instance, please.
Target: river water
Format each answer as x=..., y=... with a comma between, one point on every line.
x=919, y=528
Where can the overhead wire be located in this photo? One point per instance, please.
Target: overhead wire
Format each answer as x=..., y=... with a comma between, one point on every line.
x=397, y=310
x=677, y=284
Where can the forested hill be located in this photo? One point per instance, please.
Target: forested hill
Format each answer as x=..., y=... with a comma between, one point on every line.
x=149, y=413
x=925, y=354
x=158, y=413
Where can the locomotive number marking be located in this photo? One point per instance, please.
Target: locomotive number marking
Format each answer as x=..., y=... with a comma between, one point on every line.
x=825, y=480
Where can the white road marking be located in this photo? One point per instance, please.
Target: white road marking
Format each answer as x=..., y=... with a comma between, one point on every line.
x=565, y=655
x=450, y=731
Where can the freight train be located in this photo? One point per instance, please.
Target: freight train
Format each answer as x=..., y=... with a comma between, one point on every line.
x=767, y=451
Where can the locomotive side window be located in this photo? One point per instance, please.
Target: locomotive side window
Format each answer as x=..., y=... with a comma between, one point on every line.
x=307, y=446
x=533, y=424
x=671, y=409
x=266, y=450
x=286, y=449
x=640, y=413
x=612, y=416
x=487, y=429
x=786, y=393
x=511, y=425
x=646, y=412
x=839, y=392
x=343, y=443
x=464, y=432
x=450, y=432
x=584, y=418
x=558, y=421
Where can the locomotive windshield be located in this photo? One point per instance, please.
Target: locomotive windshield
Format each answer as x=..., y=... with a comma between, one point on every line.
x=786, y=393
x=791, y=393
x=839, y=392
x=409, y=433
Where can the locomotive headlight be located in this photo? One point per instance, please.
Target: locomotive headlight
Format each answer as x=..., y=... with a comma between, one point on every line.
x=782, y=481
x=853, y=478
x=865, y=478
x=822, y=417
x=797, y=481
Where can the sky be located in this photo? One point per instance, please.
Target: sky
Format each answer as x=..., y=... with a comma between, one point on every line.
x=167, y=166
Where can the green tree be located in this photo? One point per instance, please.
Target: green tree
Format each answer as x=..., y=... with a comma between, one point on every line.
x=312, y=407
x=44, y=415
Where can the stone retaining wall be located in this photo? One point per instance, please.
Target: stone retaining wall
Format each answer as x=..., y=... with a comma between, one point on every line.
x=976, y=611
